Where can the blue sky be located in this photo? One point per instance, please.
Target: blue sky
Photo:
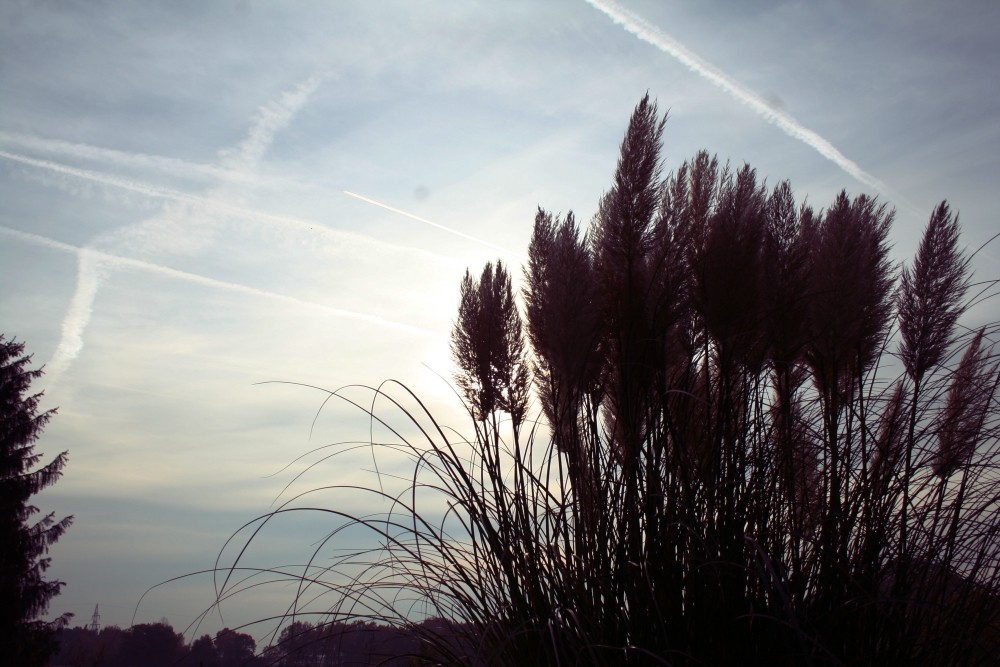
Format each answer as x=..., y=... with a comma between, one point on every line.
x=176, y=227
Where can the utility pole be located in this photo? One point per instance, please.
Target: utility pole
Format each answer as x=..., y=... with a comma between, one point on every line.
x=95, y=621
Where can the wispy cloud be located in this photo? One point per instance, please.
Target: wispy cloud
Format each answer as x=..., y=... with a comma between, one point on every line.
x=413, y=216
x=651, y=34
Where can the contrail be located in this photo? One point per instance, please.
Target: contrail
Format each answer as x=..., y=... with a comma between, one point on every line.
x=120, y=262
x=145, y=189
x=90, y=271
x=433, y=224
x=169, y=194
x=270, y=119
x=651, y=34
x=165, y=165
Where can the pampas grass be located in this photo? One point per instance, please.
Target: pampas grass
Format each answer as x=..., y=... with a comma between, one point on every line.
x=758, y=442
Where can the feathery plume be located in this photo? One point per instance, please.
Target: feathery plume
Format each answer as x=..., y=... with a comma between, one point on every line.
x=931, y=293
x=851, y=281
x=488, y=345
x=969, y=396
x=563, y=321
x=729, y=286
x=784, y=273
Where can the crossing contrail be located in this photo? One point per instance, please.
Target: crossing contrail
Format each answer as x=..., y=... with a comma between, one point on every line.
x=413, y=216
x=166, y=231
x=651, y=34
x=90, y=270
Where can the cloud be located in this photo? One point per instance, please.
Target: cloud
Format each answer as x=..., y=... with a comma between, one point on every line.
x=770, y=112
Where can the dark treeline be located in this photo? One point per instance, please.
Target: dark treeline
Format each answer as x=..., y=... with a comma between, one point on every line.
x=152, y=645
x=299, y=644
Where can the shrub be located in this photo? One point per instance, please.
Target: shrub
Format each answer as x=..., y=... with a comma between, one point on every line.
x=760, y=444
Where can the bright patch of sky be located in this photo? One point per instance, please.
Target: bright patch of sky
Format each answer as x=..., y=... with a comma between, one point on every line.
x=200, y=197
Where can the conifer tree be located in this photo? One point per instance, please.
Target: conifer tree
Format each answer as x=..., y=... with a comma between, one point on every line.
x=24, y=541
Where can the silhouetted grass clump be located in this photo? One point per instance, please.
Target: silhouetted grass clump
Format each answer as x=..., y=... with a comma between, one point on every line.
x=762, y=443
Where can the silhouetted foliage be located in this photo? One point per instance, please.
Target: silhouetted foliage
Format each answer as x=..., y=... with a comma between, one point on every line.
x=302, y=644
x=25, y=594
x=765, y=449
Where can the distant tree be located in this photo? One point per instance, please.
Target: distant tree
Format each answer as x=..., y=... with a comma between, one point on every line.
x=203, y=653
x=326, y=644
x=109, y=643
x=234, y=648
x=83, y=647
x=78, y=647
x=298, y=645
x=25, y=594
x=151, y=645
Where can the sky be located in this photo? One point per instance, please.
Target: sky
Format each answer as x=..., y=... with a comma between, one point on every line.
x=207, y=208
